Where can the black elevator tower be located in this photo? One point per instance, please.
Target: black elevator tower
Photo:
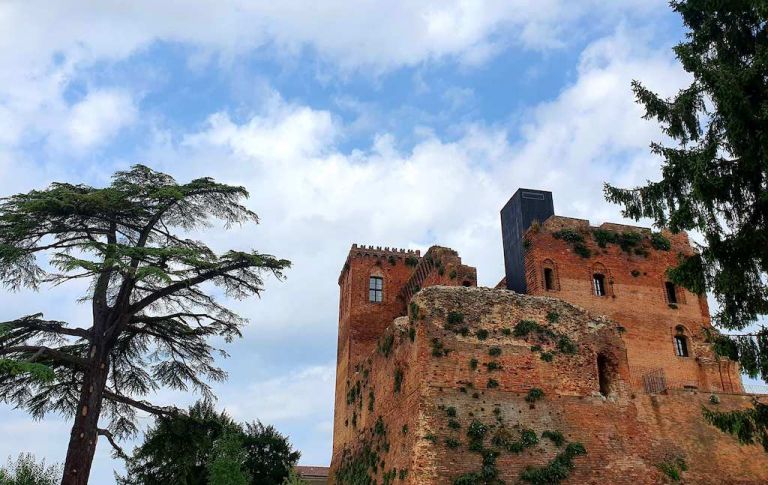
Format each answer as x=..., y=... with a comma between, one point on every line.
x=517, y=216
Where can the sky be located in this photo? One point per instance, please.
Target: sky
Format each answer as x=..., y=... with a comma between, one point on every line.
x=398, y=123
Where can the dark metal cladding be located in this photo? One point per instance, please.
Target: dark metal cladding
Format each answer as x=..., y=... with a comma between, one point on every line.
x=517, y=215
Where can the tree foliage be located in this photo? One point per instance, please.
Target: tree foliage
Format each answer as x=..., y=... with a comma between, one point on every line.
x=153, y=314
x=25, y=470
x=715, y=180
x=203, y=447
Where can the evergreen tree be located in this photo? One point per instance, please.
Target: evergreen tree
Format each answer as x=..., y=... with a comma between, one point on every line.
x=152, y=318
x=715, y=180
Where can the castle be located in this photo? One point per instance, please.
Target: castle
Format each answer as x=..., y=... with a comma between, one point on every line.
x=584, y=365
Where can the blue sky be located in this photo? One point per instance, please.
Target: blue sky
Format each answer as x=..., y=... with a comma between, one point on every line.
x=391, y=123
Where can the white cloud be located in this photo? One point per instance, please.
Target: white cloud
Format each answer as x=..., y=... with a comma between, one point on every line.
x=98, y=117
x=302, y=394
x=45, y=45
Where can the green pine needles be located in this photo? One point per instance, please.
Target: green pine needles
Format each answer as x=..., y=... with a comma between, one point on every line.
x=149, y=281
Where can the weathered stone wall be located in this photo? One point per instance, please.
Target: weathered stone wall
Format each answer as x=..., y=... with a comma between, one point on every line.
x=626, y=435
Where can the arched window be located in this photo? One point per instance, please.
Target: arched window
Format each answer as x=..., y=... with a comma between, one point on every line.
x=671, y=292
x=376, y=289
x=598, y=284
x=681, y=342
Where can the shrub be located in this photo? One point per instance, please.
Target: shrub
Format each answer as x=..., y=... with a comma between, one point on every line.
x=635, y=273
x=535, y=348
x=494, y=351
x=603, y=237
x=414, y=310
x=506, y=331
x=412, y=333
x=553, y=317
x=528, y=438
x=493, y=365
x=534, y=394
x=556, y=470
x=477, y=430
x=582, y=250
x=566, y=345
x=452, y=275
x=454, y=424
x=411, y=261
x=398, y=379
x=673, y=468
x=482, y=334
x=450, y=411
x=392, y=260
x=430, y=437
x=659, y=242
x=379, y=429
x=714, y=399
x=404, y=429
x=455, y=318
x=437, y=348
x=569, y=235
x=526, y=327
x=473, y=363
x=493, y=383
x=555, y=437
x=547, y=356
x=452, y=443
x=386, y=343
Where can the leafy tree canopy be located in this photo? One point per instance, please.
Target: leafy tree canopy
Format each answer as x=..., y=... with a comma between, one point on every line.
x=208, y=448
x=149, y=293
x=25, y=470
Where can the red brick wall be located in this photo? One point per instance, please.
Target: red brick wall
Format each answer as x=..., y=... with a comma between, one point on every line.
x=626, y=434
x=362, y=322
x=636, y=299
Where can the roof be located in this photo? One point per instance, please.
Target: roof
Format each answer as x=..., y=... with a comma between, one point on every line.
x=312, y=471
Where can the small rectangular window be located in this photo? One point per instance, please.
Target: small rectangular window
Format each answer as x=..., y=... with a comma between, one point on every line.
x=549, y=279
x=671, y=292
x=598, y=281
x=376, y=289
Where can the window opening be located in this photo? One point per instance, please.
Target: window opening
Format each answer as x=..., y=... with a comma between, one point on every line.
x=671, y=292
x=604, y=374
x=681, y=346
x=376, y=289
x=598, y=281
x=549, y=279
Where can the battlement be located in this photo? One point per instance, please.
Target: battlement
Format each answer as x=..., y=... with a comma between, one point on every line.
x=556, y=223
x=368, y=251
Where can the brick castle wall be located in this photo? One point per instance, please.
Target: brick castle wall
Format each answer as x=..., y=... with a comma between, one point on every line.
x=417, y=432
x=636, y=298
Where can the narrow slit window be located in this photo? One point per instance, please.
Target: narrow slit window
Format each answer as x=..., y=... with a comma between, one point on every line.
x=604, y=375
x=671, y=292
x=681, y=346
x=598, y=282
x=376, y=289
x=549, y=279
